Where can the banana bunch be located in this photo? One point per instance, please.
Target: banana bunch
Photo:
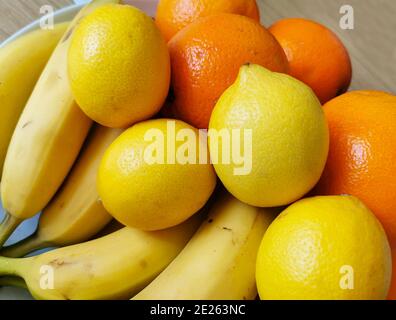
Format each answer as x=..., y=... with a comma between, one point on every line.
x=116, y=266
x=75, y=214
x=217, y=262
x=47, y=138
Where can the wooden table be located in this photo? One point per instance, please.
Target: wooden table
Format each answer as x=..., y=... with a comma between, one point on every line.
x=371, y=44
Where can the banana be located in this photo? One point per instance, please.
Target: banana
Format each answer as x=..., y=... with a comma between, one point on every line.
x=75, y=214
x=116, y=266
x=219, y=262
x=21, y=63
x=46, y=140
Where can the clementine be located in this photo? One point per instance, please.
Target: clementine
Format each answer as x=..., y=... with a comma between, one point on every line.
x=174, y=15
x=392, y=290
x=316, y=56
x=362, y=155
x=206, y=57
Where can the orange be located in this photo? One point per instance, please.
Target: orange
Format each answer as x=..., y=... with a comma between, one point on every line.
x=316, y=56
x=362, y=155
x=174, y=15
x=392, y=290
x=206, y=57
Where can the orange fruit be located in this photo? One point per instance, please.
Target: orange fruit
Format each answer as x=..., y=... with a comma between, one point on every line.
x=174, y=15
x=316, y=56
x=362, y=154
x=206, y=57
x=392, y=290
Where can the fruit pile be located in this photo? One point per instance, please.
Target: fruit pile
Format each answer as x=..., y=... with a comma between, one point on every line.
x=195, y=156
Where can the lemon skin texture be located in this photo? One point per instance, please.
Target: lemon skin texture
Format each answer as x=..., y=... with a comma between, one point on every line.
x=147, y=195
x=119, y=66
x=328, y=247
x=290, y=138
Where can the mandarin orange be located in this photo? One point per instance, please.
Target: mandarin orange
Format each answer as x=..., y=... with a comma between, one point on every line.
x=316, y=56
x=206, y=57
x=392, y=290
x=174, y=15
x=362, y=155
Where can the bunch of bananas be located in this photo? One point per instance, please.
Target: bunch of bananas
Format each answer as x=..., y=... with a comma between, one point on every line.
x=53, y=154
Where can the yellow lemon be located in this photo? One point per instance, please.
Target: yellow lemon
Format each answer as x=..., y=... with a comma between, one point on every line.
x=329, y=247
x=156, y=175
x=119, y=66
x=279, y=138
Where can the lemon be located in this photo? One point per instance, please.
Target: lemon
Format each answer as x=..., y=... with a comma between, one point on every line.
x=148, y=180
x=289, y=137
x=324, y=248
x=119, y=66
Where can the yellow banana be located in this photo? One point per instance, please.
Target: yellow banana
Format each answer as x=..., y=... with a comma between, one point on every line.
x=116, y=266
x=75, y=214
x=21, y=63
x=46, y=140
x=219, y=262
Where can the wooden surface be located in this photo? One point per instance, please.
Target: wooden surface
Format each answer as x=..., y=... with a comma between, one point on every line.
x=371, y=44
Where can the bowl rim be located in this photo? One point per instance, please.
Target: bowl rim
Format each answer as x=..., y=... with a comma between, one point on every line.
x=36, y=24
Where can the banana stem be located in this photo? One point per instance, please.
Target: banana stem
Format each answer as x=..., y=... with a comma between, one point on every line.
x=12, y=281
x=7, y=227
x=24, y=247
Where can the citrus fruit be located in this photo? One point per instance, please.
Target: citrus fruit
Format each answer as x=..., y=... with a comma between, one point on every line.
x=316, y=56
x=119, y=66
x=392, y=290
x=206, y=57
x=287, y=150
x=150, y=193
x=362, y=156
x=329, y=247
x=174, y=15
